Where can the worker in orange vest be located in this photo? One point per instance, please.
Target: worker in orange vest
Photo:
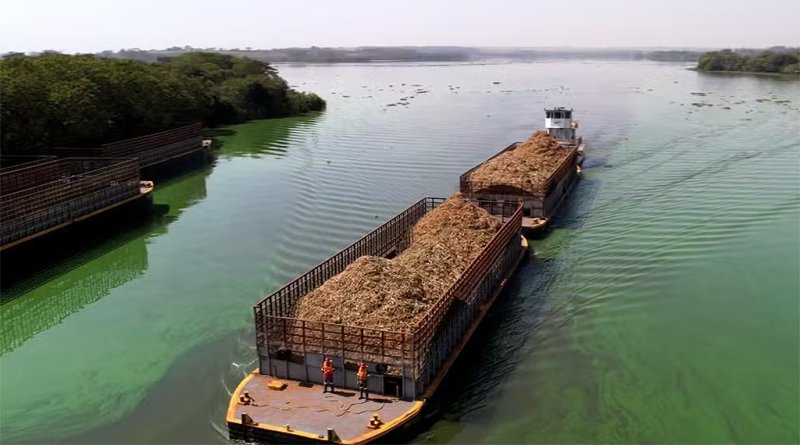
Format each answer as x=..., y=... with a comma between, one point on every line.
x=327, y=374
x=363, y=391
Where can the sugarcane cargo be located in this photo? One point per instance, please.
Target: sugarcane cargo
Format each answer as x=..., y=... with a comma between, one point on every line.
x=540, y=171
x=403, y=300
x=379, y=293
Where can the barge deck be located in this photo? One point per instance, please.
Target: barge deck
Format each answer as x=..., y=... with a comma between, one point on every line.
x=300, y=412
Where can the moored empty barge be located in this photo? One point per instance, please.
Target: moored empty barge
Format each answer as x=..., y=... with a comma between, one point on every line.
x=151, y=149
x=47, y=194
x=406, y=365
x=521, y=175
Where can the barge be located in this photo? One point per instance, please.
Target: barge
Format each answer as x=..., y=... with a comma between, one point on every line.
x=152, y=149
x=539, y=205
x=47, y=194
x=282, y=401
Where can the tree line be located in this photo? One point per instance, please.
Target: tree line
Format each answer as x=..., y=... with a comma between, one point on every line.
x=55, y=99
x=786, y=61
x=367, y=54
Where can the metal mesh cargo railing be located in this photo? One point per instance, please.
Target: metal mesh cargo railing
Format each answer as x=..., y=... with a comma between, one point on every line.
x=514, y=187
x=469, y=288
x=503, y=210
x=274, y=314
x=149, y=149
x=15, y=162
x=298, y=337
x=63, y=191
x=280, y=335
x=25, y=176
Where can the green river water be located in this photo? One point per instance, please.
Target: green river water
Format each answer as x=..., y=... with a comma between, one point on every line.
x=662, y=308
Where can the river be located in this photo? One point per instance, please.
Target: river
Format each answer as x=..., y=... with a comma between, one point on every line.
x=663, y=306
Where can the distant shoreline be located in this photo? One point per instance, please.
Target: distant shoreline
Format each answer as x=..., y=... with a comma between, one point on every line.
x=779, y=61
x=753, y=73
x=396, y=54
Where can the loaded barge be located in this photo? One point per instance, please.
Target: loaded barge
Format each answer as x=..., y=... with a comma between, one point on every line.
x=541, y=203
x=283, y=401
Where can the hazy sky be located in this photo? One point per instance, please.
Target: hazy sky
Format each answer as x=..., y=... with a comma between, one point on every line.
x=93, y=25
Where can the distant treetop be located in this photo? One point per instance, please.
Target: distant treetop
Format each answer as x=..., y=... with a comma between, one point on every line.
x=774, y=60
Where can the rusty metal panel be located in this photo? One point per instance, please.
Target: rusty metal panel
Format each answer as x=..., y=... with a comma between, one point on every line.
x=14, y=162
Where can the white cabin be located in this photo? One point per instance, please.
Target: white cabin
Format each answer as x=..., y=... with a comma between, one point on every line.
x=559, y=123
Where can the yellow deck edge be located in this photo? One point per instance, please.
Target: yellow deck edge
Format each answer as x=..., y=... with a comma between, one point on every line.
x=235, y=396
x=388, y=426
x=364, y=438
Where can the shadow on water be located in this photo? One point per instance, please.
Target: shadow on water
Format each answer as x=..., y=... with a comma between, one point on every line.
x=49, y=256
x=176, y=409
x=178, y=192
x=217, y=136
x=269, y=137
x=39, y=260
x=126, y=259
x=577, y=207
x=178, y=167
x=119, y=237
x=575, y=210
x=499, y=345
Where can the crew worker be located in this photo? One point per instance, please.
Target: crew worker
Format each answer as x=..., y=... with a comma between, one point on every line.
x=246, y=399
x=327, y=374
x=363, y=391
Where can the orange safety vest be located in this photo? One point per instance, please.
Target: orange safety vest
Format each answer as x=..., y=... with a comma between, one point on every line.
x=327, y=370
x=362, y=372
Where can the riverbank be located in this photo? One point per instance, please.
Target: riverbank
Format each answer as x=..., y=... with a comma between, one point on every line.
x=788, y=76
x=777, y=60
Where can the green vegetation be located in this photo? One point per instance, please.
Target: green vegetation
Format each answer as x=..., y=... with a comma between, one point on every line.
x=64, y=100
x=785, y=61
